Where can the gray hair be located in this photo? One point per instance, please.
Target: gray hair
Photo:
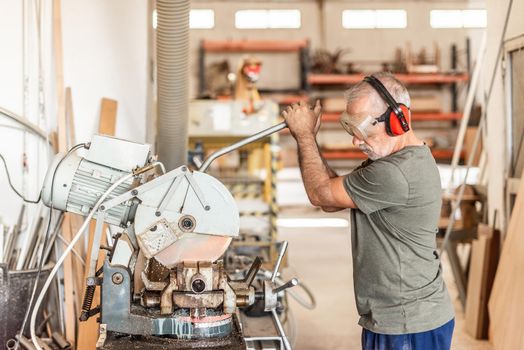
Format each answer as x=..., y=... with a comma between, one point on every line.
x=392, y=84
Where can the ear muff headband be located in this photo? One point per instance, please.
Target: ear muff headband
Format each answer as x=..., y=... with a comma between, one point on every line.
x=394, y=126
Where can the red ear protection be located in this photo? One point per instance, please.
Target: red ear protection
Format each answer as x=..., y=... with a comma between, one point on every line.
x=393, y=124
x=397, y=116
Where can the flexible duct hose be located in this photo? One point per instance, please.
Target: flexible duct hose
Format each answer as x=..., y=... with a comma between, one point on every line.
x=172, y=51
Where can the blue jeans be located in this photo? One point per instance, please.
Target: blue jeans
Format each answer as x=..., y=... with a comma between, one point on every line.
x=436, y=339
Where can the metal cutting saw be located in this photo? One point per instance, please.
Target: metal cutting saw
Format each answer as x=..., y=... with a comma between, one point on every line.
x=163, y=283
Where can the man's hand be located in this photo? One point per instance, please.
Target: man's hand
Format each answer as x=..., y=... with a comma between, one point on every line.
x=302, y=120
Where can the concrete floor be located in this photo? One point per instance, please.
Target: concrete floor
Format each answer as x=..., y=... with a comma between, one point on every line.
x=321, y=258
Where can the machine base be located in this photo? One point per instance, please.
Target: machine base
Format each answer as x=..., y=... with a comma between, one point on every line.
x=119, y=341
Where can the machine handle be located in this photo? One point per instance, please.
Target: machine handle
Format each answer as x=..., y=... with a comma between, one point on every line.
x=241, y=143
x=279, y=260
x=292, y=283
x=253, y=270
x=271, y=295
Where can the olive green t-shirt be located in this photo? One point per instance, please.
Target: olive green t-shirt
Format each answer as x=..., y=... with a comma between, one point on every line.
x=396, y=267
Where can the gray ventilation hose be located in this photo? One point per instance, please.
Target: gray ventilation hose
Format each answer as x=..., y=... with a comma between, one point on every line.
x=172, y=51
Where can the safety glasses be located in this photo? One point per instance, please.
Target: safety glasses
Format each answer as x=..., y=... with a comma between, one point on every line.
x=360, y=125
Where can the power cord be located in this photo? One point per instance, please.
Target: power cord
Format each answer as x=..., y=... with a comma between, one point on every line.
x=13, y=187
x=46, y=238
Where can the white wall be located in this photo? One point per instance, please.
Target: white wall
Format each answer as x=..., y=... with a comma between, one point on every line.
x=104, y=54
x=497, y=128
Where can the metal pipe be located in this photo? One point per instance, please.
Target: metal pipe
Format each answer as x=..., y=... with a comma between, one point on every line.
x=467, y=111
x=26, y=344
x=280, y=328
x=13, y=237
x=35, y=129
x=241, y=143
x=456, y=203
x=292, y=283
x=254, y=339
x=172, y=55
x=279, y=260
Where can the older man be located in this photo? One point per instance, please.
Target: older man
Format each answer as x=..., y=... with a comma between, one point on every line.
x=395, y=197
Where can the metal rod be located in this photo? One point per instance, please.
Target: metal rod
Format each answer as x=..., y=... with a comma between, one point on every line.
x=456, y=203
x=13, y=238
x=279, y=260
x=55, y=233
x=255, y=339
x=26, y=344
x=33, y=243
x=241, y=143
x=289, y=284
x=287, y=345
x=262, y=338
x=35, y=129
x=470, y=98
x=3, y=230
x=74, y=251
x=97, y=238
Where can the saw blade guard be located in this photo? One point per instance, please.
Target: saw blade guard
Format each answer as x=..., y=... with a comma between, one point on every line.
x=192, y=218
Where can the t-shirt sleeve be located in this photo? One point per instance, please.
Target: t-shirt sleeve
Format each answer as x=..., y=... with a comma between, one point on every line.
x=377, y=186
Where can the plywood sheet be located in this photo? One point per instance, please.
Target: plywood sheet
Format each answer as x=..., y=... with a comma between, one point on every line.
x=506, y=304
x=484, y=260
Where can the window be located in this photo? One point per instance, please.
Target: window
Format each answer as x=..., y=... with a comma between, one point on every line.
x=202, y=19
x=475, y=18
x=367, y=19
x=198, y=19
x=458, y=18
x=267, y=19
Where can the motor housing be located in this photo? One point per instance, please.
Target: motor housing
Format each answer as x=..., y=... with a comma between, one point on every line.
x=78, y=182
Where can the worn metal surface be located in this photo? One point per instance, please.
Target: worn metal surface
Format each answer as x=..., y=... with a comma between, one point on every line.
x=211, y=299
x=233, y=341
x=15, y=292
x=121, y=316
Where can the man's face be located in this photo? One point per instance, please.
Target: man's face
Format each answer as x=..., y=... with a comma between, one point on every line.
x=370, y=138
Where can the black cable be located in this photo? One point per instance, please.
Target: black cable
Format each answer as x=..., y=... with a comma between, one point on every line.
x=46, y=237
x=13, y=187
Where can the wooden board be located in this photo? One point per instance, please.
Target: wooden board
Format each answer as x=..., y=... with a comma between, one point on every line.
x=349, y=79
x=107, y=123
x=469, y=139
x=506, y=304
x=70, y=288
x=88, y=330
x=70, y=117
x=425, y=102
x=484, y=259
x=75, y=221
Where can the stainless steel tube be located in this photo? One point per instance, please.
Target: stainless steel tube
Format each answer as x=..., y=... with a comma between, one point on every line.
x=241, y=143
x=279, y=260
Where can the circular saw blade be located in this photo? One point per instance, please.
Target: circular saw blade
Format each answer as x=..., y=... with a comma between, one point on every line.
x=194, y=247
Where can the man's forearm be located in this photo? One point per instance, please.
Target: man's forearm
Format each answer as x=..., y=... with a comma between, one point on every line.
x=313, y=168
x=330, y=171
